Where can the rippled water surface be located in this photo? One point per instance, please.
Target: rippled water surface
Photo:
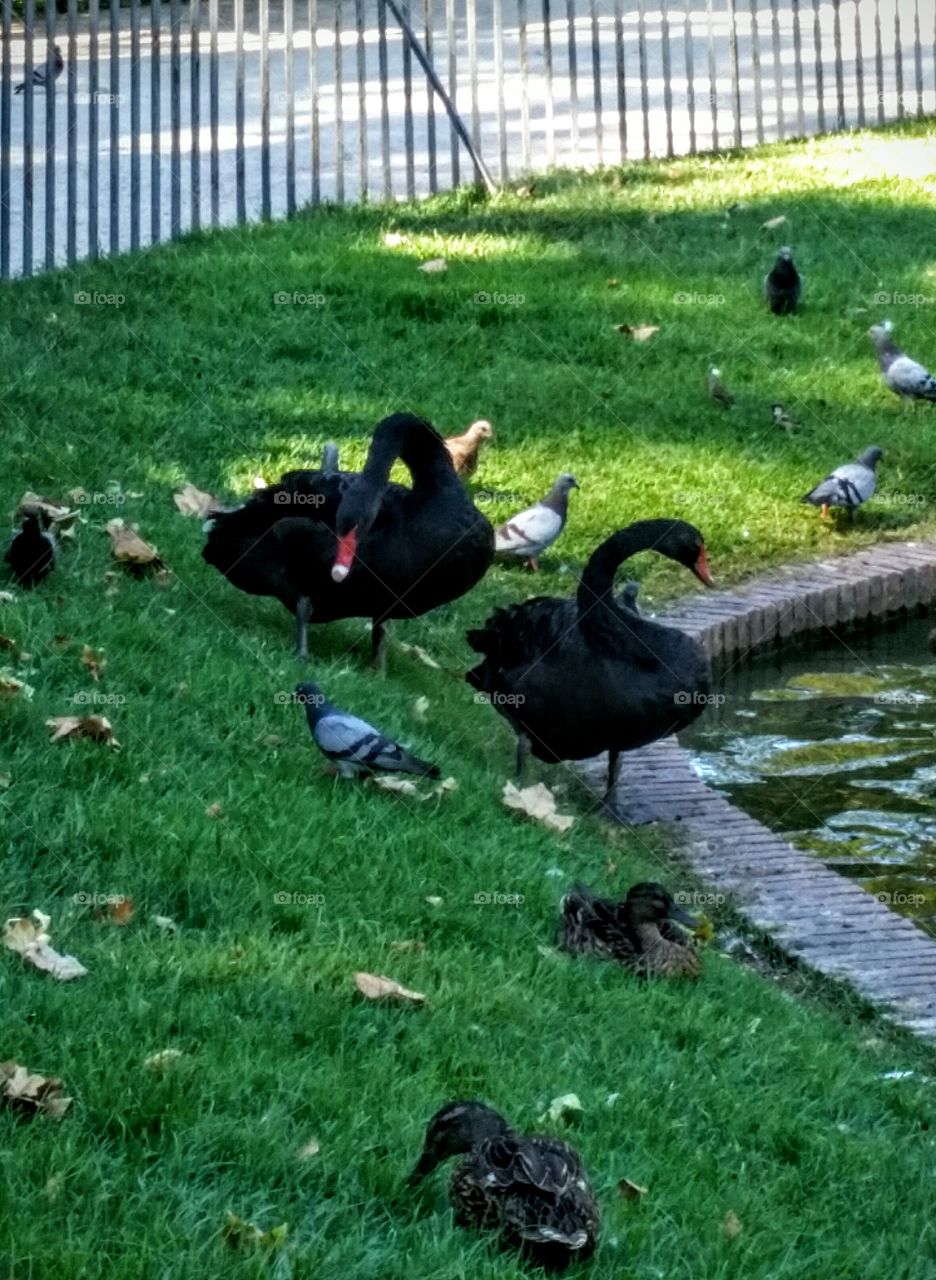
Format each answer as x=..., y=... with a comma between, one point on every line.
x=835, y=748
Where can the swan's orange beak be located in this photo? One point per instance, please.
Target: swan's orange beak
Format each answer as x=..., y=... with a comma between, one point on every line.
x=700, y=569
x=347, y=546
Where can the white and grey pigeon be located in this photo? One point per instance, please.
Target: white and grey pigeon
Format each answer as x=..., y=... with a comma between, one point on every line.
x=53, y=64
x=351, y=744
x=783, y=285
x=905, y=377
x=848, y=486
x=530, y=532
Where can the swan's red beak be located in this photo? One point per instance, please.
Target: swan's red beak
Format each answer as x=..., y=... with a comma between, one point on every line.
x=347, y=546
x=701, y=569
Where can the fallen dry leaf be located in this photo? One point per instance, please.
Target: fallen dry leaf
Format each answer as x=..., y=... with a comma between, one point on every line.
x=6, y=781
x=213, y=810
x=422, y=655
x=773, y=223
x=402, y=786
x=29, y=937
x=163, y=1059
x=408, y=944
x=239, y=1234
x=434, y=900
x=129, y=548
x=11, y=687
x=421, y=706
x=27, y=1091
x=166, y=923
x=194, y=502
x=7, y=643
x=612, y=283
x=308, y=1149
x=732, y=1225
x=93, y=661
x=564, y=1109
x=60, y=513
x=119, y=911
x=392, y=239
x=434, y=266
x=374, y=987
x=638, y=333
x=7, y=597
x=98, y=728
x=272, y=740
x=537, y=802
x=630, y=1190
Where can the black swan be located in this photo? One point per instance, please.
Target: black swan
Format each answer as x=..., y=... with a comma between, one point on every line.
x=333, y=544
x=578, y=677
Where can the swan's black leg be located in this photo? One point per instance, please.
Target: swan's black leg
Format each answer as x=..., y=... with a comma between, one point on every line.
x=523, y=755
x=303, y=613
x=379, y=646
x=614, y=759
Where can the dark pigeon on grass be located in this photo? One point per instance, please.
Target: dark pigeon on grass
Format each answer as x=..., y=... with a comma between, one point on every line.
x=783, y=285
x=352, y=745
x=848, y=486
x=31, y=551
x=53, y=64
x=905, y=377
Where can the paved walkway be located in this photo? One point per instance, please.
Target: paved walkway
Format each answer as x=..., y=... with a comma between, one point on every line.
x=810, y=911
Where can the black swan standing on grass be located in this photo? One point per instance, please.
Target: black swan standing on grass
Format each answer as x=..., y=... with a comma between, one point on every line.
x=578, y=677
x=332, y=544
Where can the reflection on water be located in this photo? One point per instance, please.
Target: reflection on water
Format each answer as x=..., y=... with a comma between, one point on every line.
x=835, y=748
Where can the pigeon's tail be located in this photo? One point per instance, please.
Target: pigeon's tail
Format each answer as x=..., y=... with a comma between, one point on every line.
x=422, y=768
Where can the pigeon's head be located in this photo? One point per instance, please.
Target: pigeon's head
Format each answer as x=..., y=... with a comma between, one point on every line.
x=777, y=410
x=456, y=1130
x=650, y=903
x=871, y=457
x=566, y=482
x=785, y=254
x=480, y=430
x=714, y=373
x=310, y=696
x=881, y=332
x=683, y=542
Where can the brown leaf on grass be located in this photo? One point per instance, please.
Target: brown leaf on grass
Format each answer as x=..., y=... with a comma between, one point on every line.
x=308, y=1149
x=11, y=687
x=7, y=643
x=638, y=333
x=772, y=223
x=434, y=266
x=537, y=802
x=98, y=728
x=213, y=810
x=25, y=1090
x=93, y=661
x=60, y=513
x=612, y=283
x=434, y=900
x=374, y=987
x=29, y=937
x=163, y=1059
x=418, y=652
x=402, y=786
x=408, y=944
x=240, y=1234
x=630, y=1190
x=194, y=502
x=129, y=548
x=731, y=1226
x=119, y=911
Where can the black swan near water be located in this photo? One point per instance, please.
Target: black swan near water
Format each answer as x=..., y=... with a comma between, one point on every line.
x=578, y=677
x=332, y=544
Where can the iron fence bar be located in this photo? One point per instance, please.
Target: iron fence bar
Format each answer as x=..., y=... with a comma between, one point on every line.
x=408, y=128
x=155, y=121
x=596, y=82
x=50, y=90
x=214, y=96
x=289, y=39
x=777, y=67
x=114, y=123
x=690, y=75
x=756, y=70
x=263, y=15
x=93, y=14
x=136, y=124
x=240, y=153
x=6, y=110
x=431, y=141
x=194, y=113
x=28, y=127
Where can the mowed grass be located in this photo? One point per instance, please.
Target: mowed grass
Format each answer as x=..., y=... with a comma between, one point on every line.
x=734, y=1096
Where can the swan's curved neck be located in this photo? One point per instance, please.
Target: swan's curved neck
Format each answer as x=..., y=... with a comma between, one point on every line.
x=415, y=442
x=597, y=581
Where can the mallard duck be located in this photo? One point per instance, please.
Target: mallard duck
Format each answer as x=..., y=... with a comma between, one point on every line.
x=638, y=932
x=532, y=1191
x=464, y=449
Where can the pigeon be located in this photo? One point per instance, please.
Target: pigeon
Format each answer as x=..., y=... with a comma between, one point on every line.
x=783, y=418
x=464, y=449
x=530, y=532
x=900, y=374
x=849, y=485
x=54, y=62
x=354, y=746
x=717, y=390
x=783, y=285
x=627, y=597
x=32, y=550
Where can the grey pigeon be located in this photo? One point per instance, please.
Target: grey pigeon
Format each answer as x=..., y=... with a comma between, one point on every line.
x=848, y=486
x=531, y=531
x=32, y=549
x=717, y=389
x=54, y=63
x=354, y=746
x=905, y=377
x=783, y=285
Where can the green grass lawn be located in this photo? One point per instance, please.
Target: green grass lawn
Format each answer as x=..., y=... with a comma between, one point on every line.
x=742, y=1094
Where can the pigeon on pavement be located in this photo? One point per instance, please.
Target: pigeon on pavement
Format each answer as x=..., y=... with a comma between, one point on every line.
x=54, y=63
x=32, y=550
x=351, y=744
x=847, y=486
x=905, y=377
x=464, y=449
x=717, y=390
x=783, y=285
x=531, y=531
